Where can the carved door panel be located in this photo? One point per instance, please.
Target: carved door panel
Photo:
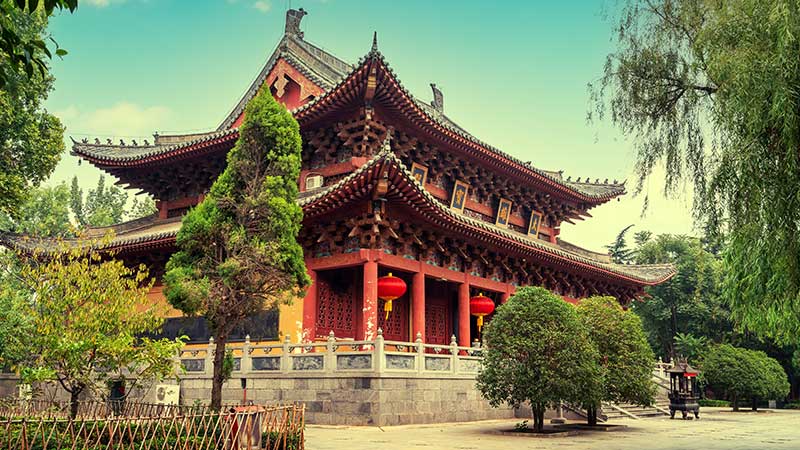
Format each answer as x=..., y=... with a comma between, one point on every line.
x=336, y=306
x=395, y=328
x=438, y=315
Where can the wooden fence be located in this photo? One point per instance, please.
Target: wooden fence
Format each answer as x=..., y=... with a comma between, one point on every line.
x=26, y=425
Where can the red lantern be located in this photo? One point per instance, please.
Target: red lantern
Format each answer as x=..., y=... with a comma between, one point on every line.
x=480, y=306
x=390, y=288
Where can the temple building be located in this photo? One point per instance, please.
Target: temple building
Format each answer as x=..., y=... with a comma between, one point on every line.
x=389, y=183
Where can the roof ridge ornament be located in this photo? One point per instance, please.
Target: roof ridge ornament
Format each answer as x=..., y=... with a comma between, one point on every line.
x=293, y=19
x=438, y=99
x=386, y=147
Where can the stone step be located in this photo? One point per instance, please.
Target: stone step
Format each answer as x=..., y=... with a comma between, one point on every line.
x=644, y=408
x=636, y=411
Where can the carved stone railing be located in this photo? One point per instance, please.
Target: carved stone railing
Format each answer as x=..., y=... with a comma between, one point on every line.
x=661, y=376
x=337, y=358
x=661, y=368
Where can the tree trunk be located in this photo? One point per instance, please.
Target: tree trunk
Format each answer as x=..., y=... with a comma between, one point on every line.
x=217, y=378
x=591, y=415
x=754, y=405
x=538, y=418
x=735, y=403
x=73, y=401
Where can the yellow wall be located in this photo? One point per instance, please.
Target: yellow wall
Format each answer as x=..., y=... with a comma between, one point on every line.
x=156, y=296
x=290, y=317
x=290, y=320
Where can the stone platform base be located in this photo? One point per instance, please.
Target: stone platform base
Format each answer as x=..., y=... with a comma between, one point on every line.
x=369, y=401
x=362, y=401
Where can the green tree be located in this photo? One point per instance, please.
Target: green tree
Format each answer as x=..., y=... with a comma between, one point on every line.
x=619, y=251
x=642, y=237
x=708, y=89
x=76, y=200
x=623, y=353
x=142, y=206
x=690, y=302
x=87, y=315
x=20, y=51
x=690, y=346
x=103, y=206
x=46, y=210
x=774, y=382
x=15, y=325
x=742, y=374
x=45, y=213
x=31, y=140
x=538, y=351
x=237, y=250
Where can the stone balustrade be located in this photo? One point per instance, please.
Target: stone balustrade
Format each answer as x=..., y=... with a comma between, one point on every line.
x=661, y=368
x=337, y=358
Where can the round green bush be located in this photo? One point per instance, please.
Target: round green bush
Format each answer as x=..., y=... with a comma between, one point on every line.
x=744, y=375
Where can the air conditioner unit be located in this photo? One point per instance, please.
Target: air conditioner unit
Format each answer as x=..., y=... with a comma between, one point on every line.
x=168, y=394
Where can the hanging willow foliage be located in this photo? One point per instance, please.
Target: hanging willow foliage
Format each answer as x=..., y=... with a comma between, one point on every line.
x=710, y=89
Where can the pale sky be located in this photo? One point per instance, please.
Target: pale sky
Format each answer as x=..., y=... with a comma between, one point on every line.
x=515, y=77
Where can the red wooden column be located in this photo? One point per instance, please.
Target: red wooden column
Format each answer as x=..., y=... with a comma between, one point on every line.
x=418, y=306
x=310, y=308
x=369, y=309
x=463, y=315
x=504, y=297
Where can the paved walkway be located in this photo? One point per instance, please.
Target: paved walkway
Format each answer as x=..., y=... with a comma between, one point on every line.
x=717, y=429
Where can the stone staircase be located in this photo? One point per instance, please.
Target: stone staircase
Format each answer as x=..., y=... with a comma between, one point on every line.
x=628, y=411
x=611, y=412
x=659, y=409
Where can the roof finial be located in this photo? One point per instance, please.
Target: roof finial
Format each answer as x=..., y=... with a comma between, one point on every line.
x=438, y=99
x=293, y=18
x=374, y=41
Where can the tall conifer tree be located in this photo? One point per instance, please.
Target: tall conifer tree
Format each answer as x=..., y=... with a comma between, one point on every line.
x=238, y=252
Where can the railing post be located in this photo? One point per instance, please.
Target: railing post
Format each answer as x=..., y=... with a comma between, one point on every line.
x=177, y=364
x=285, y=365
x=378, y=353
x=208, y=368
x=420, y=356
x=246, y=362
x=559, y=419
x=453, y=354
x=330, y=356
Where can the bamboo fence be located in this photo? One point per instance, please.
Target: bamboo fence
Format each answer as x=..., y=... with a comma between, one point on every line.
x=32, y=425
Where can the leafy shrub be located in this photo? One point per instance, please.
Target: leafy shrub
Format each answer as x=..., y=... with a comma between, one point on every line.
x=91, y=435
x=625, y=357
x=293, y=441
x=538, y=351
x=521, y=426
x=714, y=403
x=690, y=346
x=743, y=375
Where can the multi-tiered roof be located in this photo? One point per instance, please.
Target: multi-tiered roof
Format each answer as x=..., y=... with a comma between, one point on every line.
x=175, y=168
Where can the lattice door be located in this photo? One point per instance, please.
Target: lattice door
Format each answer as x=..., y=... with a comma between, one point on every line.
x=336, y=309
x=396, y=327
x=438, y=316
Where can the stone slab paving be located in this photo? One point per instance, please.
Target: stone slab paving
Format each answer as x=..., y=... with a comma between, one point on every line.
x=716, y=430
